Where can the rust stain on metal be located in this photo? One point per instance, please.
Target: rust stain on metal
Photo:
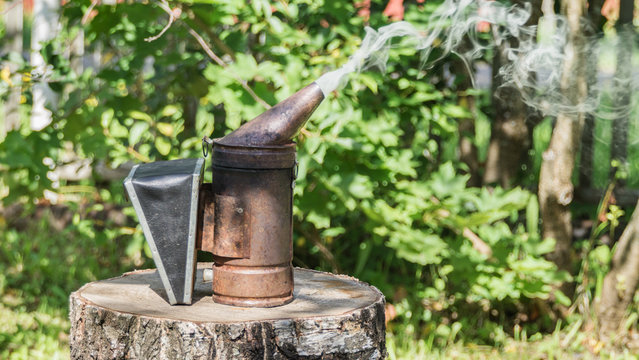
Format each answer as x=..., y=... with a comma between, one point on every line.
x=253, y=195
x=206, y=238
x=253, y=171
x=231, y=228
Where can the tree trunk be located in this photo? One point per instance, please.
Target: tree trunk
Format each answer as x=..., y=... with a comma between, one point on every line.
x=620, y=283
x=468, y=152
x=555, y=183
x=511, y=135
x=13, y=23
x=588, y=133
x=587, y=155
x=623, y=75
x=332, y=317
x=467, y=149
x=190, y=105
x=45, y=27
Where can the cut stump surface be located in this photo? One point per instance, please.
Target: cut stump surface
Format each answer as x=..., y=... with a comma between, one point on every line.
x=331, y=317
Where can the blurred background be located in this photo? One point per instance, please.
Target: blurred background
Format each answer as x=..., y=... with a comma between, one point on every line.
x=411, y=180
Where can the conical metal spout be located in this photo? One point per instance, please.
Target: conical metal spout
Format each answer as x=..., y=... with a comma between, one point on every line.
x=279, y=124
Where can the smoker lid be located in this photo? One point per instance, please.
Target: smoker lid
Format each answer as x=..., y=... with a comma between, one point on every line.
x=254, y=157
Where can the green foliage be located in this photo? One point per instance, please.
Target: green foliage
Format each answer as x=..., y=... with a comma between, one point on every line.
x=40, y=266
x=380, y=188
x=32, y=334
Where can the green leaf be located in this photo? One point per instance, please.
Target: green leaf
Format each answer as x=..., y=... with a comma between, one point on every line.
x=136, y=132
x=170, y=110
x=320, y=221
x=332, y=232
x=530, y=264
x=544, y=247
x=139, y=115
x=246, y=66
x=118, y=130
x=369, y=81
x=319, y=153
x=417, y=247
x=106, y=118
x=165, y=129
x=360, y=186
x=532, y=215
x=602, y=254
x=456, y=111
x=163, y=145
x=445, y=181
x=562, y=299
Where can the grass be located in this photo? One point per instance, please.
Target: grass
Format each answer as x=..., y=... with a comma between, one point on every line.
x=571, y=342
x=40, y=334
x=40, y=266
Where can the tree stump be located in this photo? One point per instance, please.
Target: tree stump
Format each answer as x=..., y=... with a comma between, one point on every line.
x=331, y=317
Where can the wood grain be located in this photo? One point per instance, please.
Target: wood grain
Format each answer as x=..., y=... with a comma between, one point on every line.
x=331, y=317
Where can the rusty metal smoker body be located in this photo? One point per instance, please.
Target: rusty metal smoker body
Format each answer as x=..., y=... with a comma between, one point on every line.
x=248, y=224
x=245, y=214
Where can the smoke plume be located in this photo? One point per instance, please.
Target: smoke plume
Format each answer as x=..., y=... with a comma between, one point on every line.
x=535, y=68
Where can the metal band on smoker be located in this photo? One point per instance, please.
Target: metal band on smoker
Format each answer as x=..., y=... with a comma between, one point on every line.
x=190, y=252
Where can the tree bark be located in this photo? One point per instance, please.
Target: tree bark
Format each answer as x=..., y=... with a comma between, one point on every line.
x=588, y=134
x=620, y=284
x=623, y=75
x=468, y=152
x=555, y=183
x=332, y=317
x=14, y=24
x=510, y=135
x=45, y=27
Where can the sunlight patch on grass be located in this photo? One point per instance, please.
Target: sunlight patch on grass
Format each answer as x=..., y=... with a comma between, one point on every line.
x=41, y=334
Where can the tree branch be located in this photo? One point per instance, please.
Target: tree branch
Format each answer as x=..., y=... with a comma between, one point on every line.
x=207, y=49
x=315, y=238
x=87, y=14
x=478, y=244
x=214, y=38
x=221, y=62
x=173, y=13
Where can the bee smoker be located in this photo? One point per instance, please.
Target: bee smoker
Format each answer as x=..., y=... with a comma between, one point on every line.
x=244, y=217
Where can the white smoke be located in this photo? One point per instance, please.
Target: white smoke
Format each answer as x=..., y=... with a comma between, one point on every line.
x=450, y=24
x=536, y=61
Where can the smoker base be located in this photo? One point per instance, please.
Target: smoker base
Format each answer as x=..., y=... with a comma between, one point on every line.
x=244, y=302
x=330, y=317
x=264, y=286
